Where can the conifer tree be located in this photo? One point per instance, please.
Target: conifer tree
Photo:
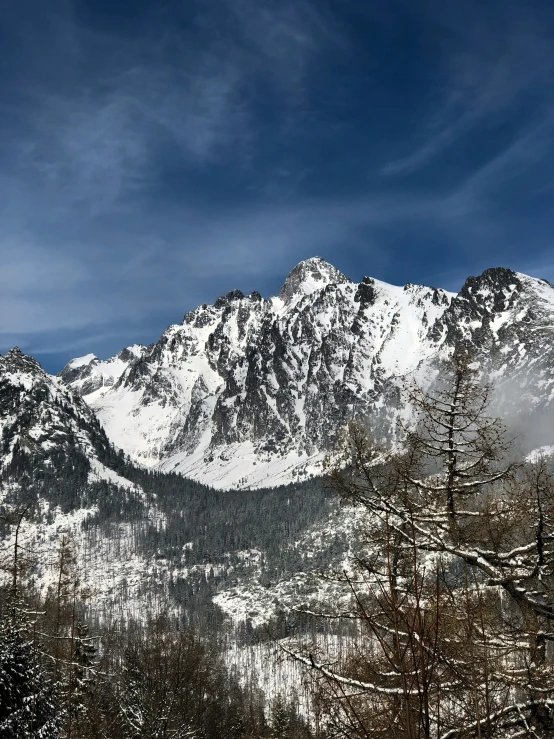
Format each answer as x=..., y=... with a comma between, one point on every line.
x=82, y=675
x=28, y=706
x=279, y=720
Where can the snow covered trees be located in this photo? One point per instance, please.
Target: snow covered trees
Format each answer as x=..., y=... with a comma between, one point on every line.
x=153, y=679
x=279, y=719
x=453, y=595
x=28, y=708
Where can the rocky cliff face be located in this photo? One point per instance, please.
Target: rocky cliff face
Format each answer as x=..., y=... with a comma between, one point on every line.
x=54, y=455
x=507, y=320
x=42, y=422
x=250, y=391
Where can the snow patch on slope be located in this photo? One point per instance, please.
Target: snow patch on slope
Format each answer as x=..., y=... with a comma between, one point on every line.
x=241, y=466
x=82, y=361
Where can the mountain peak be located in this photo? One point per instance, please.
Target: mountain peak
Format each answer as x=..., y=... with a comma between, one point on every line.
x=15, y=353
x=15, y=359
x=311, y=275
x=82, y=361
x=494, y=278
x=230, y=297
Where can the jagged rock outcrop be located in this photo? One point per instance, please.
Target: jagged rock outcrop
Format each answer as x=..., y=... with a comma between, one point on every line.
x=506, y=319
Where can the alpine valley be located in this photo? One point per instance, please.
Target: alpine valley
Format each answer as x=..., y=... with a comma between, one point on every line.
x=189, y=473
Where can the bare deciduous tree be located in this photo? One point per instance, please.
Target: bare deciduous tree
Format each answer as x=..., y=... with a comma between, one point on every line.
x=453, y=595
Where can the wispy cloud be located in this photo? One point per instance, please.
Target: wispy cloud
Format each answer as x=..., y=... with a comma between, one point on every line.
x=94, y=145
x=91, y=121
x=129, y=289
x=529, y=149
x=194, y=259
x=486, y=64
x=185, y=92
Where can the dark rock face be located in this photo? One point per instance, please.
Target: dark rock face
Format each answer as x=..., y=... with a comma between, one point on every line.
x=82, y=378
x=506, y=320
x=365, y=294
x=282, y=376
x=44, y=426
x=225, y=300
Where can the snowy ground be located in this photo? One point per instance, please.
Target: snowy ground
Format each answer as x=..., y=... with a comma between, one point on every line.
x=268, y=667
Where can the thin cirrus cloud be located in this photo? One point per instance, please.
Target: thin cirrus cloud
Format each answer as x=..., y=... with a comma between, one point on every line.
x=531, y=149
x=95, y=137
x=140, y=274
x=95, y=147
x=489, y=64
x=108, y=292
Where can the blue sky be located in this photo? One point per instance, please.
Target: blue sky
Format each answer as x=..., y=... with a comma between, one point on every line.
x=154, y=155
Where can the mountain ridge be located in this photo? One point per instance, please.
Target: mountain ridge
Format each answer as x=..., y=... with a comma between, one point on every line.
x=139, y=538
x=250, y=391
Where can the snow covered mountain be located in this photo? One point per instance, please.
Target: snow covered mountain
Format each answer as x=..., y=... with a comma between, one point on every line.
x=89, y=374
x=138, y=538
x=507, y=319
x=57, y=463
x=249, y=392
x=43, y=424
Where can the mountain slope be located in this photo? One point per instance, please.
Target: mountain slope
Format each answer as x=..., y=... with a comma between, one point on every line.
x=89, y=374
x=140, y=539
x=248, y=390
x=48, y=433
x=57, y=463
x=507, y=320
